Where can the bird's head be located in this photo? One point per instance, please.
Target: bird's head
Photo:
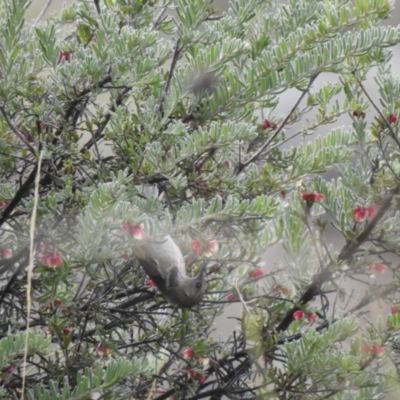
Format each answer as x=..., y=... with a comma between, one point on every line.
x=187, y=292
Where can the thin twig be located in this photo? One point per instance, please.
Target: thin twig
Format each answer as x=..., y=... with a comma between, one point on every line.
x=30, y=268
x=44, y=9
x=387, y=123
x=16, y=131
x=243, y=165
x=171, y=72
x=158, y=19
x=347, y=252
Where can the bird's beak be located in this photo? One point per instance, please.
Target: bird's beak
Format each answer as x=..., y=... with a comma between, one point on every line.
x=203, y=269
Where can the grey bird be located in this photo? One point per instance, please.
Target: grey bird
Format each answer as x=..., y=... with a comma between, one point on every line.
x=202, y=83
x=163, y=262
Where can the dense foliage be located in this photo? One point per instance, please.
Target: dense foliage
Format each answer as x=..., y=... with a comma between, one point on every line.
x=160, y=117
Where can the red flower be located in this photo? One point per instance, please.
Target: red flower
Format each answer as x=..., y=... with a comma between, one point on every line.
x=151, y=283
x=366, y=348
x=188, y=353
x=312, y=197
x=102, y=351
x=6, y=253
x=269, y=125
x=10, y=368
x=127, y=227
x=207, y=250
x=231, y=297
x=135, y=230
x=381, y=268
x=360, y=114
x=282, y=193
x=203, y=185
x=64, y=55
x=298, y=314
x=378, y=350
x=192, y=373
x=58, y=303
x=362, y=213
x=52, y=260
x=392, y=118
x=372, y=211
x=66, y=331
x=256, y=274
x=285, y=291
x=195, y=375
x=394, y=310
x=3, y=204
x=311, y=317
x=197, y=247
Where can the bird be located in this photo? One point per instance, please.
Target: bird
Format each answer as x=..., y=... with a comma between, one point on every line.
x=163, y=262
x=202, y=83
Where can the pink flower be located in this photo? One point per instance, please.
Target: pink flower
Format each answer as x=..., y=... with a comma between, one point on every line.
x=64, y=55
x=269, y=125
x=206, y=250
x=394, y=310
x=282, y=193
x=285, y=291
x=58, y=303
x=312, y=317
x=102, y=351
x=231, y=297
x=195, y=375
x=197, y=247
x=372, y=211
x=298, y=314
x=257, y=274
x=6, y=253
x=366, y=348
x=360, y=114
x=3, y=204
x=135, y=230
x=378, y=350
x=392, y=118
x=310, y=198
x=192, y=373
x=188, y=353
x=52, y=260
x=151, y=283
x=10, y=368
x=381, y=268
x=362, y=213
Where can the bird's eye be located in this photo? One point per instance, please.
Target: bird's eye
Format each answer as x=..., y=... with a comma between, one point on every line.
x=198, y=285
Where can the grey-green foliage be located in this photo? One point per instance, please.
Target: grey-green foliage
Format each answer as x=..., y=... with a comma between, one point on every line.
x=14, y=346
x=98, y=380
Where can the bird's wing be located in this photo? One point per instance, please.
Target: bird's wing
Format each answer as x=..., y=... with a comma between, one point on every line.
x=149, y=263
